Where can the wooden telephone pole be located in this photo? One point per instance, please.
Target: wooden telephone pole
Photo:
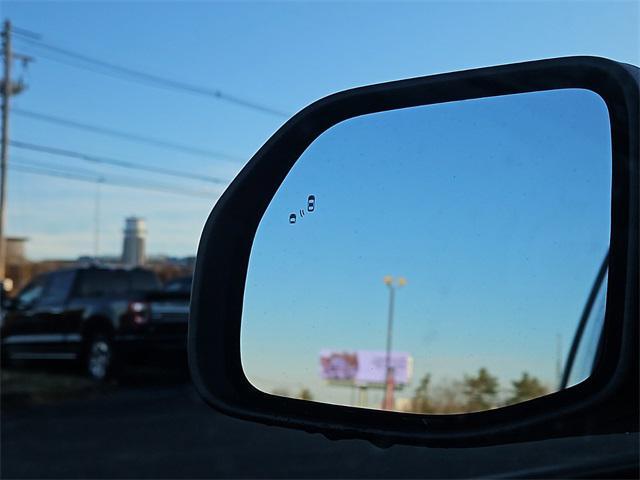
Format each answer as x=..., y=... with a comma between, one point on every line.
x=9, y=88
x=6, y=94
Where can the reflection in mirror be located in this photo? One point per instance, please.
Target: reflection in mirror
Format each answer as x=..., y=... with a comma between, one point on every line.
x=433, y=259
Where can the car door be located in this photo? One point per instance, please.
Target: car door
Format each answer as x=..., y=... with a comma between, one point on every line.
x=52, y=316
x=22, y=334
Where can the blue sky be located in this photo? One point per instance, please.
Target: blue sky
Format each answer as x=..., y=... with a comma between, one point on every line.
x=283, y=54
x=495, y=210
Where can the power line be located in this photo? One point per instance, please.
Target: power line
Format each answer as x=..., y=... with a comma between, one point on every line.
x=99, y=177
x=70, y=176
x=74, y=170
x=155, y=80
x=26, y=33
x=24, y=167
x=125, y=135
x=111, y=161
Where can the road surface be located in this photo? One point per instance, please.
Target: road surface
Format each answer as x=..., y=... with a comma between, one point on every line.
x=166, y=431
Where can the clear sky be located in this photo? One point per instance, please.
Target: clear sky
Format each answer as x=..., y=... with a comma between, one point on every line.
x=284, y=55
x=495, y=210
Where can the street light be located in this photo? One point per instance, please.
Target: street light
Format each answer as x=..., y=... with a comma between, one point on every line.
x=387, y=403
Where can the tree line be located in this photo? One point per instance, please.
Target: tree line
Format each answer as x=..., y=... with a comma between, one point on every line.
x=473, y=393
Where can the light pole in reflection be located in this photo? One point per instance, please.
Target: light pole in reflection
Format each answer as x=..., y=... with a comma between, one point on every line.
x=387, y=403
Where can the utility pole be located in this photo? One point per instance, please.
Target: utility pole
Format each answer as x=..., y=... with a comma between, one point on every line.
x=96, y=233
x=9, y=88
x=6, y=94
x=388, y=401
x=559, y=370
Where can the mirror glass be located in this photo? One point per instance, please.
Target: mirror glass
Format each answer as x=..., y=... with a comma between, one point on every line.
x=434, y=259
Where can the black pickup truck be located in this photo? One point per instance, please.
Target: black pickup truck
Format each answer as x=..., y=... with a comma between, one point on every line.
x=101, y=317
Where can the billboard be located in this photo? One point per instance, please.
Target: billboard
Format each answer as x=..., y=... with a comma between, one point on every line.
x=364, y=367
x=338, y=365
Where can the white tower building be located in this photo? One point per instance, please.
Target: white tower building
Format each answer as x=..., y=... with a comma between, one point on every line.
x=133, y=248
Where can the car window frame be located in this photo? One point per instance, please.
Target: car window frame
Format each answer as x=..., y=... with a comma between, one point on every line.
x=44, y=279
x=142, y=272
x=50, y=281
x=84, y=275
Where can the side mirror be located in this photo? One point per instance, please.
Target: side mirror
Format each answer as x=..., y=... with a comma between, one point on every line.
x=496, y=193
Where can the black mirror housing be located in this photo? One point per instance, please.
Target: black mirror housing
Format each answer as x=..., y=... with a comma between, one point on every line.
x=226, y=242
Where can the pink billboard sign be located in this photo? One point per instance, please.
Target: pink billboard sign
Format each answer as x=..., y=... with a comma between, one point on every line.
x=364, y=367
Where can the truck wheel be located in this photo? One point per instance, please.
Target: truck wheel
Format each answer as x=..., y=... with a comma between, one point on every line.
x=99, y=360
